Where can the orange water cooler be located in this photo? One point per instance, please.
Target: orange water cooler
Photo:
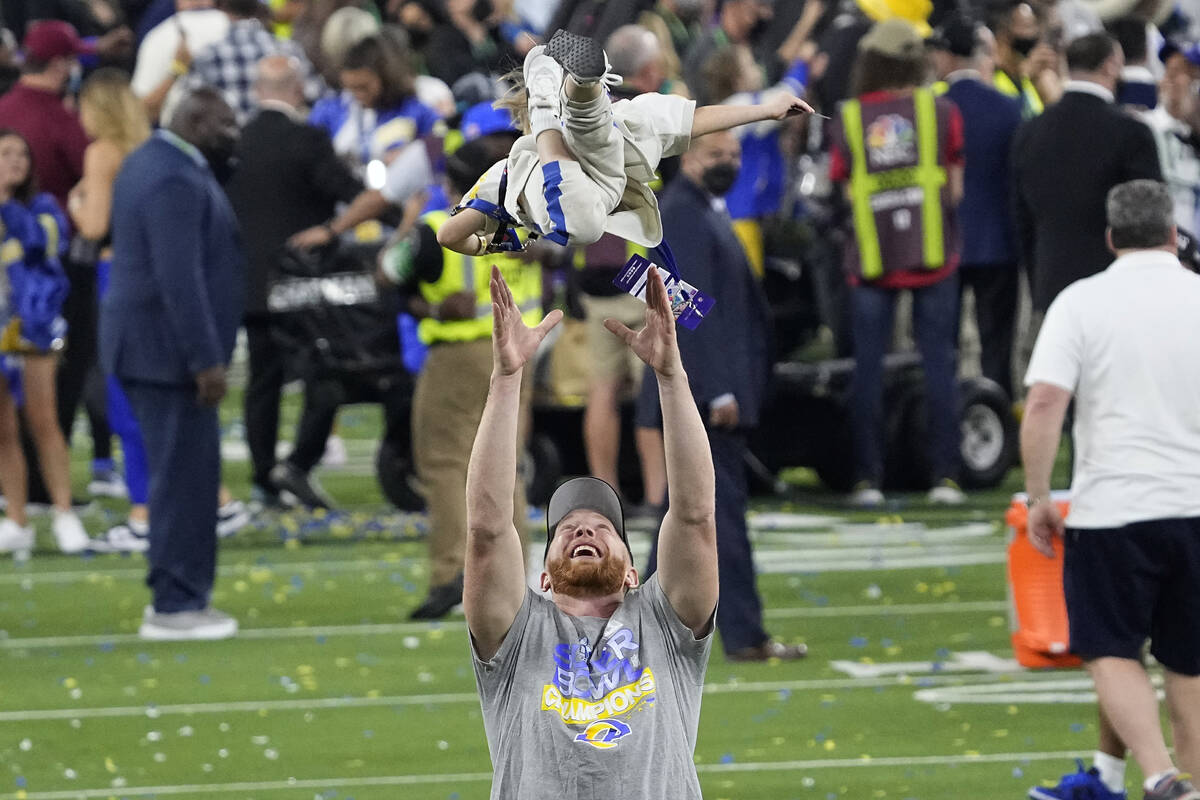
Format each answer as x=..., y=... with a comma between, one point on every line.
x=1037, y=605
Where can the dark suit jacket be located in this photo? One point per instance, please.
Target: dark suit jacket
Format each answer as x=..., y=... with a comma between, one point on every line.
x=174, y=297
x=730, y=350
x=1064, y=163
x=288, y=179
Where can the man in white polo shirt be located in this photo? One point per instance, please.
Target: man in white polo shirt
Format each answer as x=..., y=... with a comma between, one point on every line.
x=1126, y=345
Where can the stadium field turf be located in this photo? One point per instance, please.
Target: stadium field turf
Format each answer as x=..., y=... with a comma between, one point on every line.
x=329, y=691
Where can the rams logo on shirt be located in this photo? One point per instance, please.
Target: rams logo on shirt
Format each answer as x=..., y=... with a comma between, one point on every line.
x=604, y=734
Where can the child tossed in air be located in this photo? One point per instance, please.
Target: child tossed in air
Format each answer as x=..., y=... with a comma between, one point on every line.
x=585, y=165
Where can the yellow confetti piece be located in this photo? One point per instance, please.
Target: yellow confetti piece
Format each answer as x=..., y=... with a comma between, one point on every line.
x=150, y=683
x=778, y=740
x=341, y=662
x=262, y=712
x=372, y=693
x=997, y=622
x=966, y=726
x=22, y=794
x=109, y=764
x=830, y=744
x=70, y=683
x=291, y=544
x=436, y=634
x=1000, y=733
x=893, y=650
x=922, y=587
x=1013, y=711
x=260, y=575
x=279, y=597
x=971, y=754
x=304, y=669
x=240, y=586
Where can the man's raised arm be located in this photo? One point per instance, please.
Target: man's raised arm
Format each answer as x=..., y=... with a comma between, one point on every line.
x=494, y=575
x=687, y=541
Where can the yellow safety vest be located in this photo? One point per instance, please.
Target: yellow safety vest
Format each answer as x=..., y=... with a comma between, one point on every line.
x=461, y=272
x=1027, y=93
x=927, y=175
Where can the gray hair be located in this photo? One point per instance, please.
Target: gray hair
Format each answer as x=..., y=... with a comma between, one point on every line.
x=631, y=47
x=1140, y=214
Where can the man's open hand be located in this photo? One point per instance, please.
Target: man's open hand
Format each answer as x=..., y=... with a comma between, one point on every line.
x=513, y=342
x=655, y=343
x=1045, y=522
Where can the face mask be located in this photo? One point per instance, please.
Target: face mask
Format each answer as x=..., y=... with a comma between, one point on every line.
x=1024, y=44
x=718, y=179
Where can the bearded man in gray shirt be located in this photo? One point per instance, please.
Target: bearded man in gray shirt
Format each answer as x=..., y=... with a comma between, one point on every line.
x=591, y=688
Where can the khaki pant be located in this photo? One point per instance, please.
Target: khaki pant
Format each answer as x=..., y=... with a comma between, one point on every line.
x=447, y=406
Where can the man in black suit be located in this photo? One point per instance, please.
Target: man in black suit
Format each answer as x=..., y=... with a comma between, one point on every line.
x=1064, y=163
x=167, y=328
x=727, y=359
x=289, y=179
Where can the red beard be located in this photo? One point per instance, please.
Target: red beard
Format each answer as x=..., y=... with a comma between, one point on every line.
x=586, y=577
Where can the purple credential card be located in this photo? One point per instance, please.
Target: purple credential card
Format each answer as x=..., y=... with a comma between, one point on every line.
x=689, y=303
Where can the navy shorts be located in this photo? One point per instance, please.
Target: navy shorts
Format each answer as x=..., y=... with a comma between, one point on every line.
x=1137, y=582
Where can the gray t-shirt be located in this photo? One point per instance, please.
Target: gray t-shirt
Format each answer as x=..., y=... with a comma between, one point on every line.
x=587, y=708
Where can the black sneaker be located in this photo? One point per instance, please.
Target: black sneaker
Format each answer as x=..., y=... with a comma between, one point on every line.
x=581, y=57
x=288, y=479
x=441, y=600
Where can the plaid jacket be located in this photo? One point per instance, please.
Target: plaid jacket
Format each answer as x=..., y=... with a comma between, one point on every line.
x=229, y=65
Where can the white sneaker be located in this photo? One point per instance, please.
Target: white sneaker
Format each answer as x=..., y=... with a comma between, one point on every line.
x=107, y=484
x=231, y=518
x=123, y=538
x=335, y=452
x=866, y=496
x=15, y=539
x=543, y=84
x=69, y=532
x=947, y=493
x=206, y=625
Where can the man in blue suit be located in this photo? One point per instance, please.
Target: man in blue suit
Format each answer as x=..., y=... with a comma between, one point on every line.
x=167, y=330
x=728, y=361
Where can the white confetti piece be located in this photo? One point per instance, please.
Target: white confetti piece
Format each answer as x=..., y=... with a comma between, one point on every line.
x=70, y=774
x=154, y=736
x=260, y=740
x=223, y=753
x=223, y=727
x=160, y=757
x=443, y=745
x=186, y=731
x=411, y=642
x=271, y=754
x=26, y=745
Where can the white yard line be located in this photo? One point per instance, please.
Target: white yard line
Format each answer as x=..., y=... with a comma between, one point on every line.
x=303, y=704
x=394, y=628
x=294, y=784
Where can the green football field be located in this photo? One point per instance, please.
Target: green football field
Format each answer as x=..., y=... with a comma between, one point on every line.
x=329, y=691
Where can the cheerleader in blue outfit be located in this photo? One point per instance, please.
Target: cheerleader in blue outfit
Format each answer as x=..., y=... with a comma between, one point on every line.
x=33, y=287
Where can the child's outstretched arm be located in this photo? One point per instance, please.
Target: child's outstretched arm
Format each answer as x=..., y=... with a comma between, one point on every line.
x=463, y=232
x=710, y=119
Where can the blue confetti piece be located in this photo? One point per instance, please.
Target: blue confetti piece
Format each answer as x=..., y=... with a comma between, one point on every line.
x=21, y=782
x=180, y=658
x=942, y=654
x=107, y=647
x=785, y=694
x=321, y=640
x=858, y=641
x=143, y=658
x=727, y=758
x=368, y=734
x=1077, y=727
x=1018, y=772
x=204, y=679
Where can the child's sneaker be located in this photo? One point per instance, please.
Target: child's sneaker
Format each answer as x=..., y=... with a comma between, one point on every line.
x=582, y=58
x=543, y=83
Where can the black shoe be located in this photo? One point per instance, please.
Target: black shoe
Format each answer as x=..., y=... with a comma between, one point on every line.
x=580, y=56
x=441, y=600
x=770, y=649
x=300, y=485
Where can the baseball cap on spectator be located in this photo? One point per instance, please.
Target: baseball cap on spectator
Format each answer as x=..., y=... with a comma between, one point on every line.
x=956, y=35
x=482, y=120
x=51, y=39
x=587, y=493
x=1189, y=50
x=895, y=38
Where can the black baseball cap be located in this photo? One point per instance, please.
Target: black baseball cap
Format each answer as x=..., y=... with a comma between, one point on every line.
x=592, y=494
x=956, y=34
